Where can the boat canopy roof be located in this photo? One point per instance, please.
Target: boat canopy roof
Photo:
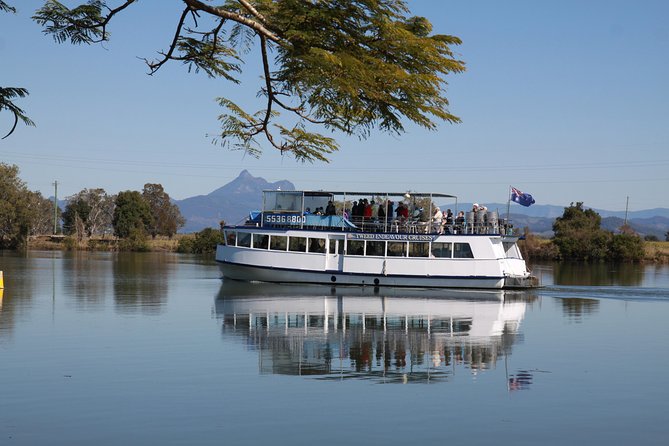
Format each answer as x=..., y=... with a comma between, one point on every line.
x=325, y=193
x=281, y=201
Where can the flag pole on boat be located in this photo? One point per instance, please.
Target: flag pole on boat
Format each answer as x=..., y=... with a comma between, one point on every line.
x=508, y=205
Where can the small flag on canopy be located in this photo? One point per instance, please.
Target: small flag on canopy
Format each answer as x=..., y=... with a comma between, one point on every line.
x=521, y=198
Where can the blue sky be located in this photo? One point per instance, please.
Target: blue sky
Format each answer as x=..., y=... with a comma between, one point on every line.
x=565, y=100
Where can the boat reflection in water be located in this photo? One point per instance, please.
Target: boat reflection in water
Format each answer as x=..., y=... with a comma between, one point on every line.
x=388, y=335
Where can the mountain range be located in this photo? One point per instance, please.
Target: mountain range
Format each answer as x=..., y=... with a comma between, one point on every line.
x=230, y=203
x=233, y=202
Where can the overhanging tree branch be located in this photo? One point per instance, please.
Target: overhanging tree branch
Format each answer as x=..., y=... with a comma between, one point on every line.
x=352, y=69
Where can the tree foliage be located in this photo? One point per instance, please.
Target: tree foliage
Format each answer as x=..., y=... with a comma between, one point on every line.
x=347, y=65
x=9, y=94
x=132, y=215
x=203, y=242
x=93, y=209
x=167, y=218
x=22, y=212
x=578, y=236
x=75, y=217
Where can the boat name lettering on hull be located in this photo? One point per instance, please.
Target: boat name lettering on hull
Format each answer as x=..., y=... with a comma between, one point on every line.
x=393, y=237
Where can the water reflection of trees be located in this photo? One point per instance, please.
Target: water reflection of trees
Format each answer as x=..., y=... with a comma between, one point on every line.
x=575, y=308
x=84, y=276
x=386, y=347
x=23, y=274
x=597, y=274
x=141, y=281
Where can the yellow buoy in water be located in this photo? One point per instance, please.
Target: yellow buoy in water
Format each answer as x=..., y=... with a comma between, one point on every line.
x=2, y=281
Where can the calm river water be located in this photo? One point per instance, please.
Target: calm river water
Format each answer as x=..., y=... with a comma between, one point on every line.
x=121, y=349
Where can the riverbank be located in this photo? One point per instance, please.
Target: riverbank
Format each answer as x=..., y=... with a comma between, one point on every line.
x=108, y=243
x=655, y=252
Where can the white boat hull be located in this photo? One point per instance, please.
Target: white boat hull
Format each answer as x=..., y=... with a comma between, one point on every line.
x=284, y=275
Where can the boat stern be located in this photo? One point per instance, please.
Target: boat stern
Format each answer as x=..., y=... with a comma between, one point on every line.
x=521, y=282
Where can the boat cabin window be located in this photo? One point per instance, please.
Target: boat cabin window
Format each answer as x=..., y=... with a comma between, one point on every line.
x=462, y=251
x=397, y=249
x=230, y=238
x=512, y=251
x=442, y=250
x=355, y=247
x=419, y=249
x=317, y=245
x=282, y=201
x=278, y=242
x=260, y=241
x=297, y=244
x=244, y=239
x=375, y=248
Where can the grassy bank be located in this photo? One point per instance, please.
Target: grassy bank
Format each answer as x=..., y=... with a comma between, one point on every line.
x=540, y=248
x=657, y=252
x=63, y=243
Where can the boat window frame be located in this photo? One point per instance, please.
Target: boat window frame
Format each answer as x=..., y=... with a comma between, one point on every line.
x=242, y=236
x=388, y=250
x=253, y=241
x=230, y=237
x=383, y=249
x=457, y=253
x=355, y=242
x=321, y=248
x=278, y=237
x=297, y=238
x=425, y=252
x=450, y=250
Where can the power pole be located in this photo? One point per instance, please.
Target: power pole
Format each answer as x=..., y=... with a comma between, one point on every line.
x=626, y=208
x=55, y=207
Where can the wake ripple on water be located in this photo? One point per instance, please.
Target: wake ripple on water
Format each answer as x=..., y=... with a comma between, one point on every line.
x=607, y=292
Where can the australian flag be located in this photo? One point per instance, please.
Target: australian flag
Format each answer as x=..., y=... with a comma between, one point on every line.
x=521, y=198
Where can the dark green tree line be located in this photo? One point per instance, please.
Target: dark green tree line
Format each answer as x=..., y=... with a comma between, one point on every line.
x=167, y=218
x=132, y=215
x=578, y=236
x=22, y=212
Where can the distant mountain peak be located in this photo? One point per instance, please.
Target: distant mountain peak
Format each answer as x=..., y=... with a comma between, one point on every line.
x=231, y=202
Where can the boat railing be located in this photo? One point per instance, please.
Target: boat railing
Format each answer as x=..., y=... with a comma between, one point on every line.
x=479, y=223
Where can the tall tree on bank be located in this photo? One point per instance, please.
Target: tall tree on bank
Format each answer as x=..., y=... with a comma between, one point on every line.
x=132, y=215
x=94, y=207
x=347, y=65
x=9, y=94
x=75, y=217
x=578, y=236
x=22, y=212
x=167, y=218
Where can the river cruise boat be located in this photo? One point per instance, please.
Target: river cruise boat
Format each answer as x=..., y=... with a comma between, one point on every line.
x=320, y=237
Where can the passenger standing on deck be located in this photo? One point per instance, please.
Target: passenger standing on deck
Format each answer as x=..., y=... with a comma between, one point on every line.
x=367, y=212
x=460, y=222
x=437, y=220
x=375, y=209
x=448, y=222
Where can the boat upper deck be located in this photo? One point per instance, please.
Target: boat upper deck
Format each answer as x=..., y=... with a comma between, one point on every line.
x=374, y=212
